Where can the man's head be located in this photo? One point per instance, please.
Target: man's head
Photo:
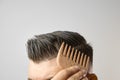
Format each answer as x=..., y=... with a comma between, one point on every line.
x=45, y=47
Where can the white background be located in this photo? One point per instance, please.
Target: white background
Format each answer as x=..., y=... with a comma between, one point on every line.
x=97, y=20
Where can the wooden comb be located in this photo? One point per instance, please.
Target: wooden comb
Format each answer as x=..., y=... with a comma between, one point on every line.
x=68, y=56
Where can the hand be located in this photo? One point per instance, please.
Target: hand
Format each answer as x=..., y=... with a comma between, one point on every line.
x=72, y=73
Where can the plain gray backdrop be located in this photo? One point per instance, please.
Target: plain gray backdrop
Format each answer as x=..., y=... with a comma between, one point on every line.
x=97, y=20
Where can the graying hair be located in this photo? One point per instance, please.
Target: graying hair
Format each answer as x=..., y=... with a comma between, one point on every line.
x=46, y=46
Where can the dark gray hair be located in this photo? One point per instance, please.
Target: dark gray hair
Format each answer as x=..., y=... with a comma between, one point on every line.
x=46, y=46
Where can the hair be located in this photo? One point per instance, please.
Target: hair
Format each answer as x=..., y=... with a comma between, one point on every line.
x=46, y=46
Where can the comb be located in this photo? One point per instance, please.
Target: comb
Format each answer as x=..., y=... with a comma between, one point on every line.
x=68, y=56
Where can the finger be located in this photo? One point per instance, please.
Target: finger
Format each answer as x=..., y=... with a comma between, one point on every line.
x=66, y=73
x=85, y=78
x=77, y=76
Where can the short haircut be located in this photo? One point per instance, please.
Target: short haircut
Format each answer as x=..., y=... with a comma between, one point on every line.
x=46, y=46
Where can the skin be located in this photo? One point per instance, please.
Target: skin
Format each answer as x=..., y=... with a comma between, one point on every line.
x=49, y=70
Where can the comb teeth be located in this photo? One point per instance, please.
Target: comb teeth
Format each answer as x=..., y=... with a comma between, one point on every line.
x=68, y=56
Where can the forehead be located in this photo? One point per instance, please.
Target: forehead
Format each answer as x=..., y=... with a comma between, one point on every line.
x=43, y=70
